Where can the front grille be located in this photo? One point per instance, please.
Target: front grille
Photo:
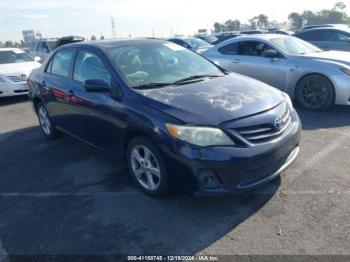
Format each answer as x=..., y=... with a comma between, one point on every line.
x=253, y=176
x=17, y=78
x=269, y=131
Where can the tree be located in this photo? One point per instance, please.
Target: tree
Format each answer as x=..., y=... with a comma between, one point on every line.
x=262, y=21
x=334, y=16
x=253, y=23
x=218, y=27
x=308, y=17
x=9, y=43
x=102, y=37
x=232, y=25
x=93, y=38
x=296, y=20
x=339, y=6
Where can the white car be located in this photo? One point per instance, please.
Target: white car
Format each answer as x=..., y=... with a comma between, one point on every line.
x=15, y=67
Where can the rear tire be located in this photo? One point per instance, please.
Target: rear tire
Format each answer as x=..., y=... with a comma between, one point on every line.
x=315, y=92
x=46, y=124
x=147, y=167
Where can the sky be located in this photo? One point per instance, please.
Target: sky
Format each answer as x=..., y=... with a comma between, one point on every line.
x=138, y=18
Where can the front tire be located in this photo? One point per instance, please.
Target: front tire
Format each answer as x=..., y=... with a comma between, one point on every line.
x=315, y=92
x=46, y=124
x=147, y=167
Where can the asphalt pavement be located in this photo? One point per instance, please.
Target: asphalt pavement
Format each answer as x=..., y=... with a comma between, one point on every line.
x=67, y=198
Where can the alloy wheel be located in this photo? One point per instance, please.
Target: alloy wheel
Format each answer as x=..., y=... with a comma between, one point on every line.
x=314, y=93
x=145, y=167
x=44, y=121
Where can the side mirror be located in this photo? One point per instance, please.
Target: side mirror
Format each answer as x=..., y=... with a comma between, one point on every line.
x=37, y=59
x=270, y=53
x=96, y=85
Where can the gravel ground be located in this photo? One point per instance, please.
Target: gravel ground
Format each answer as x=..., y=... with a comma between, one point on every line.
x=66, y=198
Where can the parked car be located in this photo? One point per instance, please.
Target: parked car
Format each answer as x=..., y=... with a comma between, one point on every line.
x=210, y=39
x=15, y=66
x=254, y=32
x=193, y=43
x=324, y=25
x=316, y=79
x=181, y=122
x=43, y=47
x=327, y=38
x=280, y=31
x=221, y=37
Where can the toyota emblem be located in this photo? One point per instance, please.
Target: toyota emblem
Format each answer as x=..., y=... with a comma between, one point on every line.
x=278, y=122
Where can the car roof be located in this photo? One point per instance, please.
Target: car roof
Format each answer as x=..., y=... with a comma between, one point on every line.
x=254, y=37
x=115, y=42
x=341, y=28
x=11, y=49
x=324, y=25
x=262, y=36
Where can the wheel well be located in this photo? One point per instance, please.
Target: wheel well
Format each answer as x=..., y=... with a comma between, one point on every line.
x=127, y=137
x=36, y=101
x=311, y=74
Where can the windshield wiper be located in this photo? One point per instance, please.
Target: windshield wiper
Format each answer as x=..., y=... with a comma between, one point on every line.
x=178, y=82
x=153, y=85
x=194, y=78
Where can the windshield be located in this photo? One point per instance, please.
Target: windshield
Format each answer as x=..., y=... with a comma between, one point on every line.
x=196, y=42
x=10, y=57
x=145, y=64
x=210, y=39
x=294, y=46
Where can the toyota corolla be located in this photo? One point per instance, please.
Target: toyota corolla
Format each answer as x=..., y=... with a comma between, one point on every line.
x=181, y=122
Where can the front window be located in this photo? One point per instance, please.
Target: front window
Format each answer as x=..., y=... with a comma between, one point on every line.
x=11, y=57
x=144, y=64
x=294, y=46
x=196, y=42
x=89, y=66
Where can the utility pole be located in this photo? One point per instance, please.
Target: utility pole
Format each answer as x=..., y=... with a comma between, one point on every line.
x=113, y=27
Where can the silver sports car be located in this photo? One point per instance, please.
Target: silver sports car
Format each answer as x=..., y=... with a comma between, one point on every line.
x=316, y=79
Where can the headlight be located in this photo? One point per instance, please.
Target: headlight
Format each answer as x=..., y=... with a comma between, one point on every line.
x=288, y=100
x=346, y=71
x=200, y=136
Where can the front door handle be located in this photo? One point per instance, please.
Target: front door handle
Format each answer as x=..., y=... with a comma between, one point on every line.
x=71, y=92
x=235, y=61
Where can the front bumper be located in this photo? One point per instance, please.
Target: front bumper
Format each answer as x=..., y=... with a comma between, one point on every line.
x=342, y=89
x=13, y=88
x=236, y=169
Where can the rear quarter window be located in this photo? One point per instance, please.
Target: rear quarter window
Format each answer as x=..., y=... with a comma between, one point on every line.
x=230, y=49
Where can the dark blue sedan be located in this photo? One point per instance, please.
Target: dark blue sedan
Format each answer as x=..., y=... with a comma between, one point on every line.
x=181, y=122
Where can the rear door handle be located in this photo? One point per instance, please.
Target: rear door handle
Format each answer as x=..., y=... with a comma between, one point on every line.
x=235, y=61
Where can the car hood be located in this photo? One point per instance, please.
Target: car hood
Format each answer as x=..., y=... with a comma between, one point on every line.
x=18, y=68
x=213, y=101
x=332, y=56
